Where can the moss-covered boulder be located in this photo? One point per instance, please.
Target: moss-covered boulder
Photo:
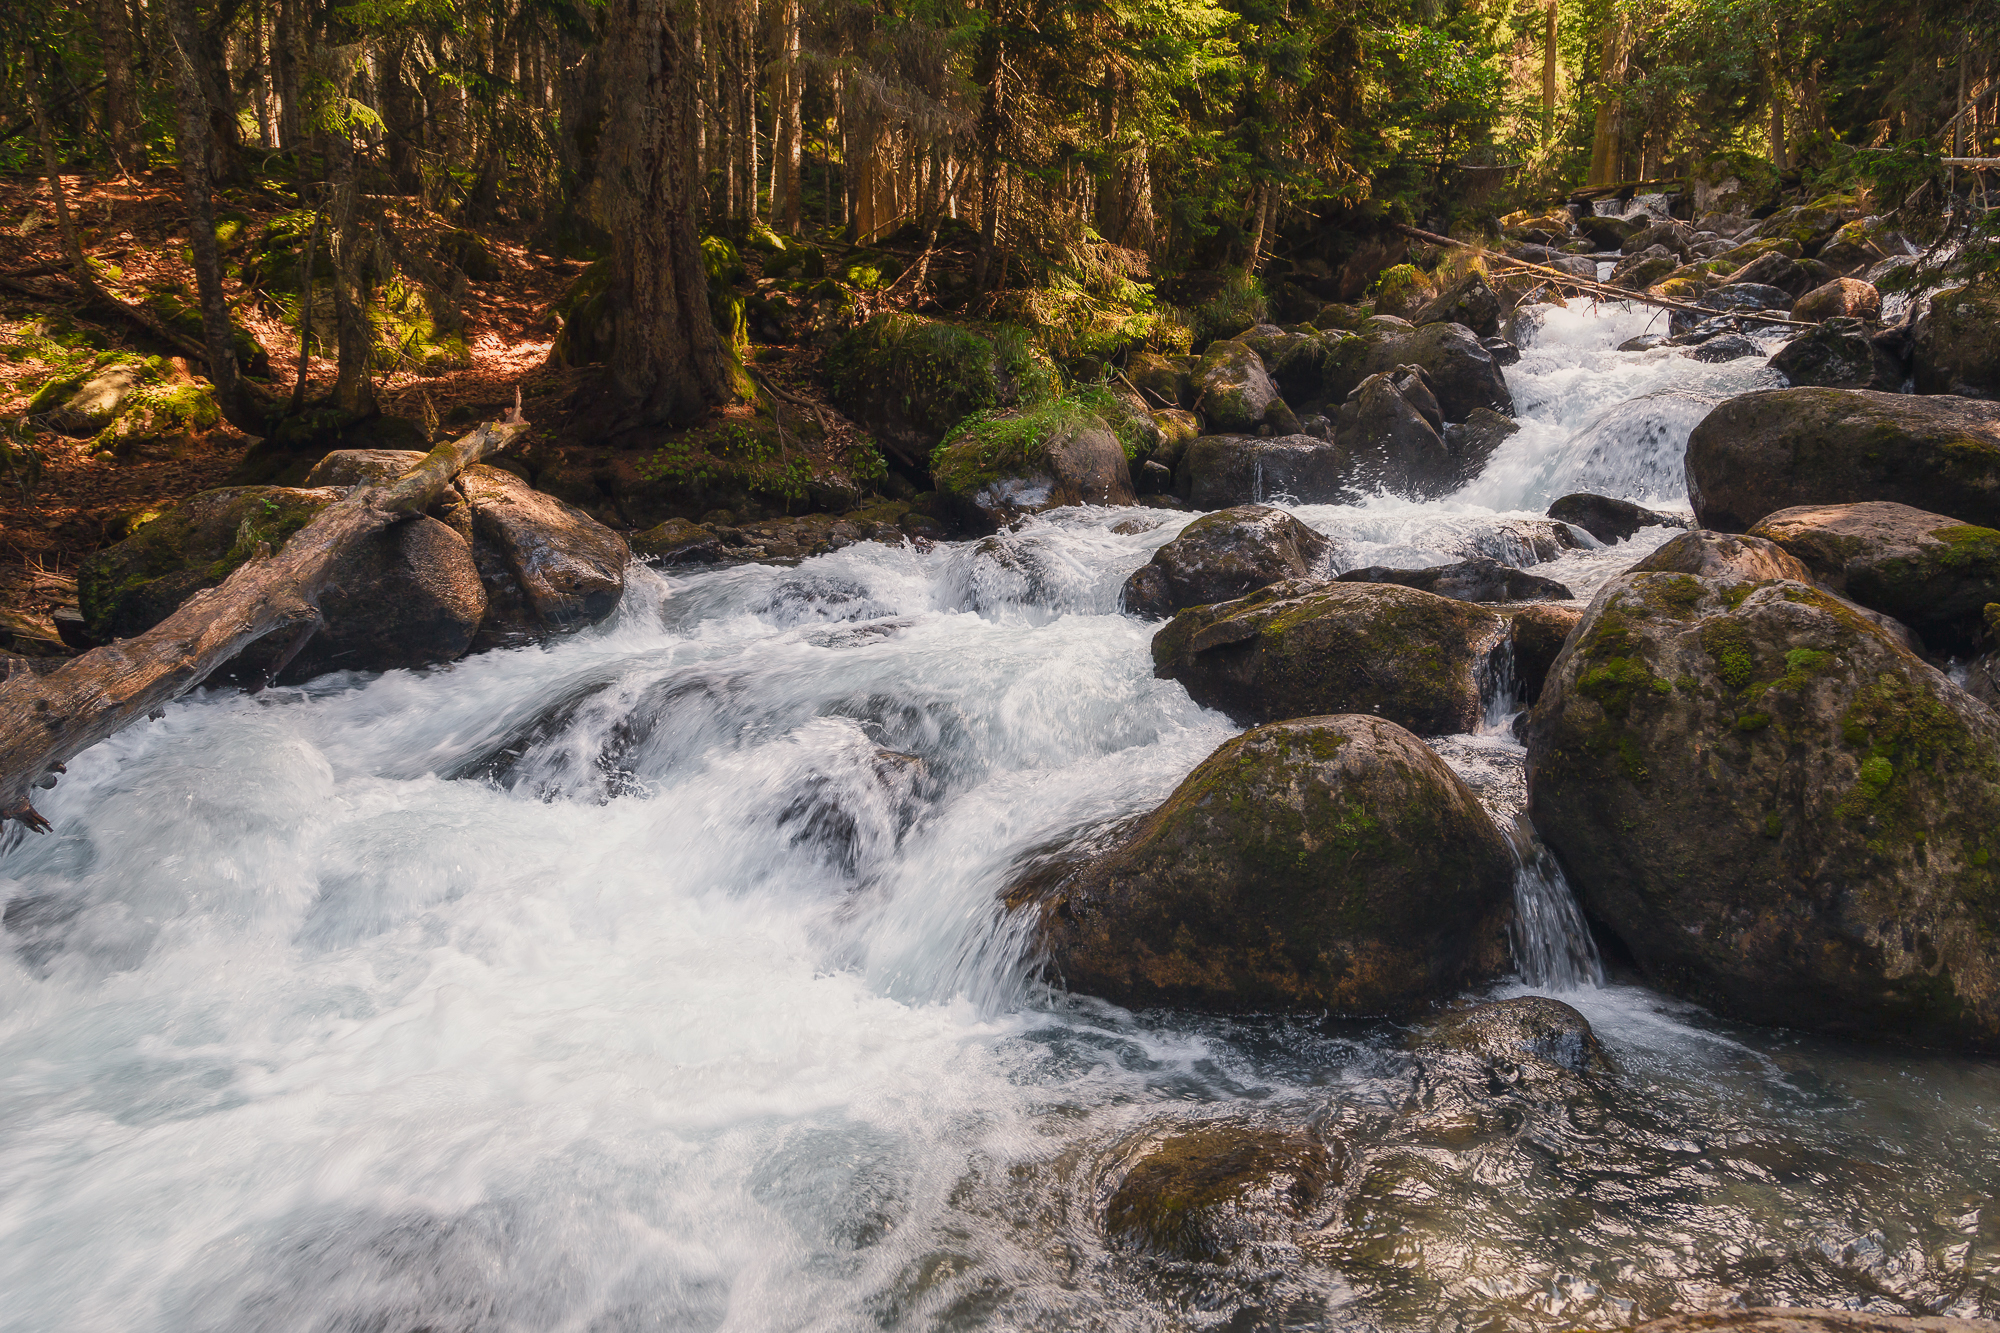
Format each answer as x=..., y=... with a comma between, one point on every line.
x=1721, y=555
x=1202, y=1194
x=912, y=380
x=1233, y=392
x=677, y=542
x=1843, y=298
x=127, y=404
x=1323, y=863
x=1218, y=471
x=1223, y=556
x=1809, y=226
x=1637, y=272
x=1164, y=382
x=184, y=319
x=1402, y=290
x=1957, y=344
x=1931, y=572
x=1772, y=268
x=1838, y=354
x=1000, y=466
x=1779, y=448
x=1776, y=807
x=1296, y=649
x=1469, y=301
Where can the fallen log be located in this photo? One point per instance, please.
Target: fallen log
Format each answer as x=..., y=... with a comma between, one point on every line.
x=46, y=720
x=1605, y=289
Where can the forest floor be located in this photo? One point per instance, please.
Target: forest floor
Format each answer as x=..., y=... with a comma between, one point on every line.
x=139, y=227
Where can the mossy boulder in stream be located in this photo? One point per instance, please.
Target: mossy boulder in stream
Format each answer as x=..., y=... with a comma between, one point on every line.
x=1323, y=863
x=1224, y=555
x=1779, y=448
x=1233, y=392
x=1297, y=648
x=1777, y=808
x=999, y=466
x=1957, y=344
x=911, y=380
x=1201, y=1194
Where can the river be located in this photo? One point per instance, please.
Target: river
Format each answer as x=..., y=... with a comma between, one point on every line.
x=636, y=983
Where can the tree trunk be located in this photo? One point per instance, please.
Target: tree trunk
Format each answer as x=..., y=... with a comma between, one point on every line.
x=121, y=86
x=47, y=720
x=287, y=65
x=72, y=244
x=192, y=144
x=1549, y=78
x=786, y=89
x=1604, y=144
x=354, y=386
x=992, y=121
x=667, y=362
x=746, y=93
x=210, y=53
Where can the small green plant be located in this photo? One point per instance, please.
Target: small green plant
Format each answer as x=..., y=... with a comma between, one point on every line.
x=735, y=453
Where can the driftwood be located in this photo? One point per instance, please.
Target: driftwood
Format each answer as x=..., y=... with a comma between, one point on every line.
x=1605, y=289
x=45, y=720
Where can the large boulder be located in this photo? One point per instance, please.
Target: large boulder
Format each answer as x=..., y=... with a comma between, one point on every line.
x=1480, y=579
x=1233, y=392
x=1776, y=449
x=1958, y=343
x=1223, y=556
x=997, y=469
x=1321, y=370
x=1777, y=808
x=1932, y=573
x=1636, y=272
x=1469, y=301
x=1843, y=298
x=1521, y=1033
x=1606, y=233
x=1609, y=519
x=1296, y=649
x=1388, y=427
x=1839, y=354
x=1217, y=471
x=1322, y=863
x=1741, y=298
x=1200, y=1194
x=1719, y=555
x=549, y=568
x=1671, y=236
x=1773, y=268
x=1164, y=382
x=911, y=380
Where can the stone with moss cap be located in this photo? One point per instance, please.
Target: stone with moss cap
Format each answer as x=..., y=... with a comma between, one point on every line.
x=1233, y=392
x=1324, y=863
x=1201, y=1193
x=1224, y=555
x=1957, y=343
x=1298, y=648
x=1776, y=807
x=912, y=380
x=1779, y=448
x=999, y=466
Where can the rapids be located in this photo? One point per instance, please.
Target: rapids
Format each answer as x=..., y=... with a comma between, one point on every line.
x=657, y=980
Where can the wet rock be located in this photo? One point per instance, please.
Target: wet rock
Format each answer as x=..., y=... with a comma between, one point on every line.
x=1299, y=649
x=1645, y=342
x=1777, y=808
x=409, y=596
x=1957, y=344
x=1637, y=272
x=1843, y=298
x=1223, y=556
x=1324, y=863
x=1721, y=556
x=1608, y=519
x=1504, y=352
x=677, y=542
x=1669, y=236
x=1218, y=471
x=1477, y=580
x=1233, y=392
x=1780, y=448
x=552, y=569
x=1388, y=427
x=1461, y=372
x=1537, y=632
x=1931, y=572
x=1727, y=347
x=1468, y=301
x=1838, y=354
x=1531, y=1029
x=1163, y=383
x=1773, y=268
x=1606, y=233
x=1201, y=1194
x=996, y=471
x=1472, y=441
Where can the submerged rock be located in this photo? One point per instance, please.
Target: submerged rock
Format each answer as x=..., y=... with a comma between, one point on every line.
x=1320, y=863
x=1608, y=519
x=1476, y=580
x=1300, y=649
x=1930, y=572
x=1776, y=807
x=1202, y=1194
x=1531, y=1029
x=1223, y=556
x=1780, y=448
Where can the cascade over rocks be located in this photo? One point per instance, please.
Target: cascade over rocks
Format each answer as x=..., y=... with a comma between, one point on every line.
x=1781, y=448
x=1296, y=649
x=1777, y=808
x=1609, y=519
x=1479, y=579
x=1313, y=864
x=1225, y=555
x=1957, y=343
x=1930, y=572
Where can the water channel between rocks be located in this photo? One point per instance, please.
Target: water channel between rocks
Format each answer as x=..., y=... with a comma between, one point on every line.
x=628, y=985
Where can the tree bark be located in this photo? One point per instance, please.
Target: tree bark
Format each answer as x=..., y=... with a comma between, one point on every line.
x=354, y=386
x=121, y=88
x=786, y=88
x=1604, y=144
x=1549, y=78
x=992, y=121
x=667, y=363
x=192, y=144
x=72, y=244
x=48, y=720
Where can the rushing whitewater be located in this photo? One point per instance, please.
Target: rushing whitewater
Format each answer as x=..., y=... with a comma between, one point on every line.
x=658, y=980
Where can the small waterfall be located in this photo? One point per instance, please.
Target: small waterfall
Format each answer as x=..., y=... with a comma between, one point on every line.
x=1499, y=691
x=1552, y=945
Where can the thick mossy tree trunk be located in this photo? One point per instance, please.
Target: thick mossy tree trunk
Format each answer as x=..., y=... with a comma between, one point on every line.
x=192, y=142
x=667, y=362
